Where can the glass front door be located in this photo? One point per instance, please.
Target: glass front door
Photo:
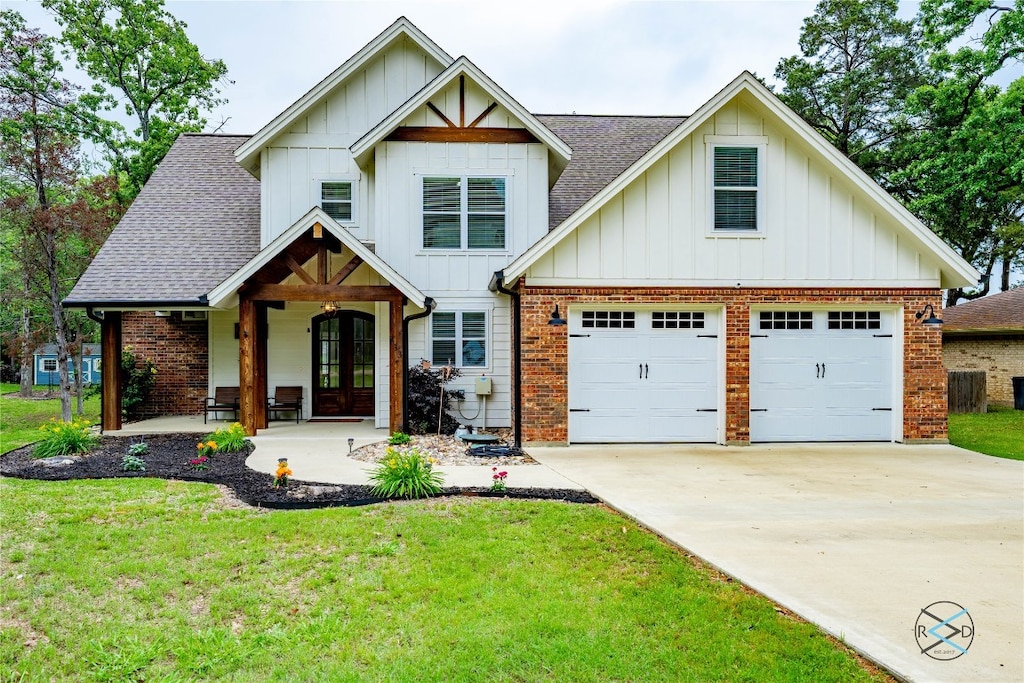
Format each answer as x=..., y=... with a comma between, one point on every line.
x=343, y=357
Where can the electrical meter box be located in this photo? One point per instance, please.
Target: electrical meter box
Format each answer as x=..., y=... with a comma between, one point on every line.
x=483, y=386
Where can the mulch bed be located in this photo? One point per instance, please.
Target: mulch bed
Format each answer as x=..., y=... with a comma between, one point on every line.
x=168, y=458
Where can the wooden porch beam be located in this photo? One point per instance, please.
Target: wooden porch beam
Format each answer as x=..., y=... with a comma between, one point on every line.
x=110, y=380
x=294, y=266
x=247, y=410
x=271, y=292
x=483, y=115
x=321, y=265
x=440, y=114
x=345, y=271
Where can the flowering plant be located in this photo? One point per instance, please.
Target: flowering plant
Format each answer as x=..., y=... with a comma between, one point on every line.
x=65, y=438
x=200, y=463
x=206, y=448
x=282, y=473
x=406, y=474
x=498, y=480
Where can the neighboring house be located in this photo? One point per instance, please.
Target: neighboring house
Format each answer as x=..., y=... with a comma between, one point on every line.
x=45, y=365
x=726, y=277
x=987, y=334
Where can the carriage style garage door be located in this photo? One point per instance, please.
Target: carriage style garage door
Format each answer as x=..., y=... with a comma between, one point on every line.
x=821, y=376
x=643, y=376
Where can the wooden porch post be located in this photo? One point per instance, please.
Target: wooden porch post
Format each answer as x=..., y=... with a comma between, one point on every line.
x=397, y=388
x=248, y=410
x=260, y=367
x=110, y=336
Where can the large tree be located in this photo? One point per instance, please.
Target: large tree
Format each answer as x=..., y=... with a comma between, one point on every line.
x=140, y=58
x=53, y=221
x=858, y=64
x=962, y=167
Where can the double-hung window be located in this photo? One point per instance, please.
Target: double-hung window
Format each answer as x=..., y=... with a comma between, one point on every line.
x=737, y=187
x=464, y=212
x=336, y=199
x=459, y=338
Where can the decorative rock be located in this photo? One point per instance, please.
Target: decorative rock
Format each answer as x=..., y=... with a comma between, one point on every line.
x=59, y=461
x=446, y=450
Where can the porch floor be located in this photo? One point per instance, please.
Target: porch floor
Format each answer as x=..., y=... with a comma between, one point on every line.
x=318, y=451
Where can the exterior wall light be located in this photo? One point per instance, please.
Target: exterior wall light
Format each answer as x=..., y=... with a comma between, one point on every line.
x=931, y=320
x=556, y=317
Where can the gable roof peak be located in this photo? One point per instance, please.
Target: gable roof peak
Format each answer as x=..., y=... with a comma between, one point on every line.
x=248, y=154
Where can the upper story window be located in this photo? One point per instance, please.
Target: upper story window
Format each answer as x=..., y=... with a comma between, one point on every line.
x=336, y=199
x=464, y=212
x=460, y=338
x=737, y=184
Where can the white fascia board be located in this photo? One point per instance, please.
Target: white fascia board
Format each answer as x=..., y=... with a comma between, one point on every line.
x=955, y=270
x=245, y=155
x=362, y=149
x=226, y=290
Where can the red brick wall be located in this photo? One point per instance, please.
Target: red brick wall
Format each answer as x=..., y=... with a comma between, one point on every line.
x=545, y=351
x=179, y=349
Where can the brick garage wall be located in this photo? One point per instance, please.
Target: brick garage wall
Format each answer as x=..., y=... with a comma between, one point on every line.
x=180, y=350
x=1000, y=356
x=545, y=351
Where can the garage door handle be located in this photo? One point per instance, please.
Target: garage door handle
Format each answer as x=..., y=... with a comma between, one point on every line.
x=817, y=369
x=823, y=371
x=645, y=370
x=579, y=410
x=641, y=371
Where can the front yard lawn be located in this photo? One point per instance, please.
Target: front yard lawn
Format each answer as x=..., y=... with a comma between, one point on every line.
x=148, y=579
x=20, y=418
x=999, y=432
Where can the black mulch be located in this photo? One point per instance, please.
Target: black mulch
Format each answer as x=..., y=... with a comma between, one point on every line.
x=168, y=458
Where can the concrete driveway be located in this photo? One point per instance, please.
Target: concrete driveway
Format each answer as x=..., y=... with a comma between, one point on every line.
x=858, y=538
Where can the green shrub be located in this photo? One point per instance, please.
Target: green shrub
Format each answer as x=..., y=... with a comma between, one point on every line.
x=429, y=401
x=138, y=380
x=228, y=439
x=138, y=448
x=132, y=463
x=64, y=438
x=399, y=439
x=406, y=474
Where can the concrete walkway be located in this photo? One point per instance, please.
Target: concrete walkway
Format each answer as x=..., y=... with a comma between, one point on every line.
x=318, y=451
x=855, y=538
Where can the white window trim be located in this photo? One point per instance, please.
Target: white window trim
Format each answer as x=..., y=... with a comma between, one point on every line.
x=463, y=175
x=488, y=345
x=48, y=365
x=352, y=180
x=710, y=143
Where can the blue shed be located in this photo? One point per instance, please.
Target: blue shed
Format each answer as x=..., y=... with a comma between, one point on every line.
x=45, y=365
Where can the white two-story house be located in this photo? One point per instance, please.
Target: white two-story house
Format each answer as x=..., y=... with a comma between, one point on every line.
x=724, y=277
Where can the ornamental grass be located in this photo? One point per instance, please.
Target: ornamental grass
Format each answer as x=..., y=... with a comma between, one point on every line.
x=65, y=438
x=406, y=474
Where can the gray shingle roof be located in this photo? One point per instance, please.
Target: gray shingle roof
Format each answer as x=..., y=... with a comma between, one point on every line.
x=602, y=148
x=993, y=313
x=195, y=222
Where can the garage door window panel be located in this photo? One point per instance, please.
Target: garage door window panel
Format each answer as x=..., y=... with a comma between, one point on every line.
x=614, y=320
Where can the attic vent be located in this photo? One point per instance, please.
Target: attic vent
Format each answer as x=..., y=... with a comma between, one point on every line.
x=193, y=315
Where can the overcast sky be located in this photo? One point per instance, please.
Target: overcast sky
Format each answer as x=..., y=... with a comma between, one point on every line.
x=557, y=56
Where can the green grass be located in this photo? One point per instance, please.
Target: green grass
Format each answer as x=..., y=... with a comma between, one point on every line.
x=20, y=418
x=999, y=432
x=159, y=580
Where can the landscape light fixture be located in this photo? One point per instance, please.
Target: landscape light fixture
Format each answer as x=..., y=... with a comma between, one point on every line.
x=556, y=317
x=931, y=320
x=350, y=442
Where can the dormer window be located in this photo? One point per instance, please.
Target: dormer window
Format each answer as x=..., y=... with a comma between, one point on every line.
x=464, y=212
x=336, y=199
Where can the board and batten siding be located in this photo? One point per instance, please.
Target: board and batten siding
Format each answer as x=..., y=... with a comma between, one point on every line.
x=499, y=358
x=399, y=231
x=316, y=146
x=819, y=229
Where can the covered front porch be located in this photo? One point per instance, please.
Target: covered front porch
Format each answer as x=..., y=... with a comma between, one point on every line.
x=316, y=310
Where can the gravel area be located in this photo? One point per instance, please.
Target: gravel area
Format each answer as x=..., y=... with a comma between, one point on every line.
x=446, y=450
x=169, y=455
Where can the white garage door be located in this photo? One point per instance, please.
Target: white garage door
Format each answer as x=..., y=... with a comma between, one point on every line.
x=821, y=376
x=643, y=376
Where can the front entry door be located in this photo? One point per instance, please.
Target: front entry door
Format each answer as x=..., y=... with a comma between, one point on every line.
x=343, y=364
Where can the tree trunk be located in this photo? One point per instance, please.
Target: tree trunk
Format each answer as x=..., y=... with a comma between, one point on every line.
x=26, y=360
x=79, y=379
x=1004, y=282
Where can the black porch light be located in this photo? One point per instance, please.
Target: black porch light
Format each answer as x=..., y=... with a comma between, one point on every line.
x=931, y=320
x=556, y=317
